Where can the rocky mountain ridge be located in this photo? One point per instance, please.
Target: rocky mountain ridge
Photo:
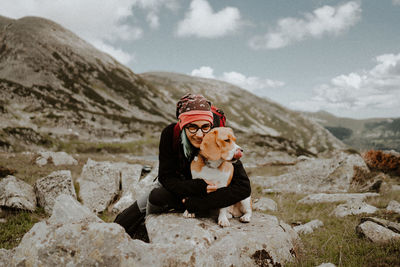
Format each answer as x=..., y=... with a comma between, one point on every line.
x=54, y=85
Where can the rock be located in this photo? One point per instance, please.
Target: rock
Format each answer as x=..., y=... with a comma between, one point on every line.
x=50, y=187
x=57, y=158
x=396, y=187
x=130, y=175
x=2, y=220
x=314, y=176
x=327, y=265
x=376, y=233
x=353, y=207
x=264, y=240
x=308, y=227
x=264, y=204
x=393, y=206
x=15, y=193
x=5, y=257
x=74, y=236
x=395, y=227
x=148, y=182
x=330, y=198
x=98, y=184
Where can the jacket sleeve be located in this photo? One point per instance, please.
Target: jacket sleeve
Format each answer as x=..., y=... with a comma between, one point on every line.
x=237, y=190
x=168, y=173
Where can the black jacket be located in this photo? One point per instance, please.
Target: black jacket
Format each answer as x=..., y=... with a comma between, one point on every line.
x=174, y=174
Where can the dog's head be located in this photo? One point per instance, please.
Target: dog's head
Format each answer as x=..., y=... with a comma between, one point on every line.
x=220, y=143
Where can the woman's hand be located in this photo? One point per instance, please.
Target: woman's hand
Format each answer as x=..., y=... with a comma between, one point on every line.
x=211, y=187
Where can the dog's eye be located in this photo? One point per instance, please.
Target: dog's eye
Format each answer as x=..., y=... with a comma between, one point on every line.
x=227, y=140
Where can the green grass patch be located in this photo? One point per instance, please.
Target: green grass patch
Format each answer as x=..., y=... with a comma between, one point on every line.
x=336, y=241
x=17, y=225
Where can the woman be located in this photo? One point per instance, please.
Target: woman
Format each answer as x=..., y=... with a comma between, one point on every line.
x=177, y=189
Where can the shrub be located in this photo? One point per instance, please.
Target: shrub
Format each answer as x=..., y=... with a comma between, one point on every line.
x=384, y=162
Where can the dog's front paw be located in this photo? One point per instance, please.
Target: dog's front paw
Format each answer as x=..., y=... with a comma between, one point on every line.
x=223, y=221
x=245, y=218
x=186, y=214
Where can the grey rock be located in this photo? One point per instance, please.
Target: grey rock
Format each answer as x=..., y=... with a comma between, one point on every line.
x=308, y=227
x=264, y=239
x=130, y=175
x=57, y=158
x=265, y=204
x=331, y=198
x=3, y=220
x=393, y=206
x=376, y=233
x=331, y=175
x=98, y=184
x=395, y=187
x=395, y=227
x=50, y=187
x=15, y=193
x=327, y=264
x=354, y=207
x=5, y=257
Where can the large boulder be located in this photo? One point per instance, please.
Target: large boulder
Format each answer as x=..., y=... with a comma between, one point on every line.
x=99, y=184
x=50, y=187
x=15, y=193
x=57, y=158
x=331, y=198
x=378, y=230
x=354, y=207
x=265, y=240
x=74, y=236
x=308, y=227
x=331, y=175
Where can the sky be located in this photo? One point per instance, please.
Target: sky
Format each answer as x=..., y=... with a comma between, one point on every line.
x=342, y=57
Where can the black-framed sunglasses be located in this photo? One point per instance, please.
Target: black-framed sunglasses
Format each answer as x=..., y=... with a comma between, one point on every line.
x=193, y=128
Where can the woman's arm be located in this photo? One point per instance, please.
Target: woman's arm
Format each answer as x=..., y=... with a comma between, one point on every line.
x=237, y=190
x=169, y=174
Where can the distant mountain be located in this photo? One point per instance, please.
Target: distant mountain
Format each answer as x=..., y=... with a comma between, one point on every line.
x=376, y=133
x=52, y=83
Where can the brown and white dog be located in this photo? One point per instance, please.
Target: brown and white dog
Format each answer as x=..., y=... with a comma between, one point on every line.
x=218, y=150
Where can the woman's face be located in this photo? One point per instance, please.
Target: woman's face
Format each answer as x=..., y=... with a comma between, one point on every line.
x=196, y=137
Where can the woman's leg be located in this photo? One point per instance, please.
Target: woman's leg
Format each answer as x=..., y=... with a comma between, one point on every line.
x=161, y=200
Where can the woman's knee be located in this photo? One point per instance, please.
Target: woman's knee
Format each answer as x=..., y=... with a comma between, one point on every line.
x=159, y=196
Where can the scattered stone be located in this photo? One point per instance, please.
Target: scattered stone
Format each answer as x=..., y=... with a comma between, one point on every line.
x=395, y=187
x=395, y=227
x=3, y=220
x=265, y=204
x=376, y=232
x=354, y=207
x=327, y=265
x=130, y=175
x=308, y=227
x=264, y=240
x=57, y=158
x=98, y=184
x=50, y=187
x=15, y=193
x=331, y=175
x=339, y=197
x=393, y=206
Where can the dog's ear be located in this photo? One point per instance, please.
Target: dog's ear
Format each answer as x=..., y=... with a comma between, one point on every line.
x=209, y=147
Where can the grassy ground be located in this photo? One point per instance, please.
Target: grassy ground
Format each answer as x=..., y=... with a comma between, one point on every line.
x=335, y=242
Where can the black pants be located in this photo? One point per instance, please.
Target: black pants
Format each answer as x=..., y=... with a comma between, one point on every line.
x=159, y=200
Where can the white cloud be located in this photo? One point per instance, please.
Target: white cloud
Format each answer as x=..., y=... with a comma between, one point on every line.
x=101, y=24
x=253, y=84
x=396, y=2
x=376, y=89
x=322, y=21
x=202, y=22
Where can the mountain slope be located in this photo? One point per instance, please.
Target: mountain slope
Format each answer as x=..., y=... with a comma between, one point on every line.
x=54, y=83
x=246, y=112
x=376, y=133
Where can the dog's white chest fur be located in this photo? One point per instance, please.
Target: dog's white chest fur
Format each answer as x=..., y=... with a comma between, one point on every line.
x=213, y=175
